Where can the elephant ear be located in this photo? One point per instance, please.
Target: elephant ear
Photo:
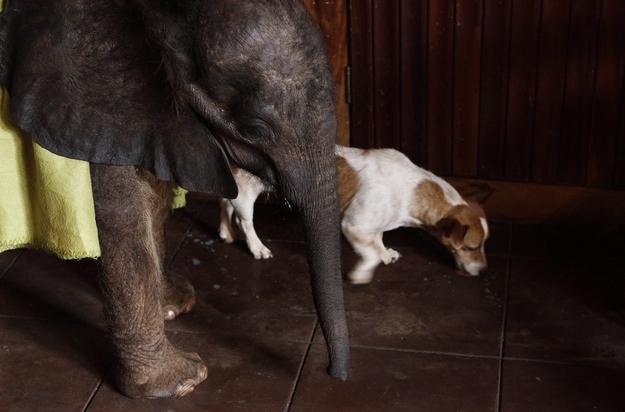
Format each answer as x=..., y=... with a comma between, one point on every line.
x=86, y=82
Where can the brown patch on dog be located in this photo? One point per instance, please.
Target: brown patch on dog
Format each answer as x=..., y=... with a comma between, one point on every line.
x=348, y=182
x=429, y=202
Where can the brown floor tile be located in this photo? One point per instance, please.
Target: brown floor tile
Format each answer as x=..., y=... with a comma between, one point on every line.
x=49, y=366
x=422, y=337
x=545, y=387
x=566, y=311
x=242, y=376
x=7, y=259
x=40, y=285
x=421, y=305
x=397, y=381
x=579, y=243
x=238, y=295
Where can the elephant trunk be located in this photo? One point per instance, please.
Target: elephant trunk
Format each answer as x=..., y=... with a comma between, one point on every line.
x=316, y=199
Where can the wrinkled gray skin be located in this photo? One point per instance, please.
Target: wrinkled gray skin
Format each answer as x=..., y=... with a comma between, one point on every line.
x=153, y=92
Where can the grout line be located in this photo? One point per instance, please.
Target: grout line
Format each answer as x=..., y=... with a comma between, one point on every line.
x=504, y=323
x=97, y=388
x=184, y=238
x=425, y=352
x=594, y=363
x=57, y=320
x=288, y=241
x=177, y=250
x=301, y=368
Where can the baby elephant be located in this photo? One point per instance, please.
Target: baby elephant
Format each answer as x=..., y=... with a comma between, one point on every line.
x=157, y=93
x=381, y=190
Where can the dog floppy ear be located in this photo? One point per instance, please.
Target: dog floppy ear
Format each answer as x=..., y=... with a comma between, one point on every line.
x=481, y=194
x=453, y=230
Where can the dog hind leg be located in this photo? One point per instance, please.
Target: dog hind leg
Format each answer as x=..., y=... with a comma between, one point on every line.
x=244, y=216
x=364, y=245
x=225, y=228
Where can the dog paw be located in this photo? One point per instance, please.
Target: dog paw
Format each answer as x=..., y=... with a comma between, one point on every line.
x=178, y=295
x=360, y=277
x=171, y=373
x=226, y=235
x=391, y=256
x=260, y=251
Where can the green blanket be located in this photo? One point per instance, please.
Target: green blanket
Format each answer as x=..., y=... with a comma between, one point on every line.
x=45, y=200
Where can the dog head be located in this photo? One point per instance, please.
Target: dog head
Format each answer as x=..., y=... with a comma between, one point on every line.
x=464, y=231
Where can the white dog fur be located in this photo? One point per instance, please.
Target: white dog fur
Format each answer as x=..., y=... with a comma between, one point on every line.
x=381, y=190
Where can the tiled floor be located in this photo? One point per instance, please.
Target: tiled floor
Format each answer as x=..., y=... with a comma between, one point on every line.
x=543, y=331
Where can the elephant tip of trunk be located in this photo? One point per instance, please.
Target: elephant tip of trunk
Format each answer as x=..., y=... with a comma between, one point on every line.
x=339, y=371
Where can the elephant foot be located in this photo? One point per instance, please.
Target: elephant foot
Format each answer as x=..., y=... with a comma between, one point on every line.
x=178, y=295
x=174, y=373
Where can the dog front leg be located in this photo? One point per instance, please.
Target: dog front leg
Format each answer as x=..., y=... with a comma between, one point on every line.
x=132, y=287
x=387, y=255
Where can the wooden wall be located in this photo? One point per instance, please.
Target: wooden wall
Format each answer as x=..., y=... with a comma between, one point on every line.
x=510, y=90
x=332, y=17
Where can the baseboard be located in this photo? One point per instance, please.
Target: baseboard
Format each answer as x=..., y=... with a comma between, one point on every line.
x=541, y=204
x=549, y=204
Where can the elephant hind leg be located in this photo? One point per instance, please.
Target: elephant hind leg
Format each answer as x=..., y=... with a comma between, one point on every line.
x=128, y=206
x=178, y=294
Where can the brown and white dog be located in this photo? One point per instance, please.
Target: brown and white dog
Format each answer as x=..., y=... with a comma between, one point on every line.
x=381, y=190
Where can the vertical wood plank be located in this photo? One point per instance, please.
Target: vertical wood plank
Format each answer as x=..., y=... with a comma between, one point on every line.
x=386, y=72
x=413, y=22
x=361, y=64
x=440, y=71
x=494, y=89
x=524, y=31
x=619, y=173
x=518, y=90
x=332, y=17
x=579, y=91
x=607, y=100
x=550, y=90
x=467, y=58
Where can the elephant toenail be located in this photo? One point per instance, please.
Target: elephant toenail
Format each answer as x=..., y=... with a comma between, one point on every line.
x=185, y=389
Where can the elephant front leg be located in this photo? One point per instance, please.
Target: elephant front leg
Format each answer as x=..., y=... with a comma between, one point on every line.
x=132, y=285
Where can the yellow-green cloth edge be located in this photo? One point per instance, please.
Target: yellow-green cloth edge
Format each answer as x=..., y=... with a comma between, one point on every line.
x=46, y=200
